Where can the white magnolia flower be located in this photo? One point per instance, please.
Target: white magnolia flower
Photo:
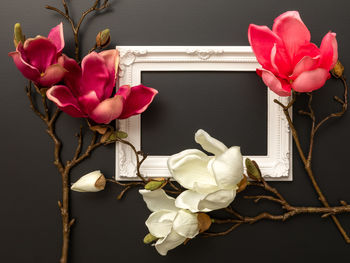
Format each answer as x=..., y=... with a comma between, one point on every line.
x=171, y=225
x=91, y=182
x=211, y=180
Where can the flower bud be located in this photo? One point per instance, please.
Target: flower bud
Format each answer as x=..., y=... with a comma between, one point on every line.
x=153, y=185
x=17, y=35
x=149, y=238
x=253, y=170
x=204, y=222
x=338, y=70
x=103, y=38
x=91, y=182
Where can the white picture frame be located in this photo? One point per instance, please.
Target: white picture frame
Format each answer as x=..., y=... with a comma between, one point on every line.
x=276, y=165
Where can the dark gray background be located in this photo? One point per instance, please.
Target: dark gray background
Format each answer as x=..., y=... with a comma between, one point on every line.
x=111, y=231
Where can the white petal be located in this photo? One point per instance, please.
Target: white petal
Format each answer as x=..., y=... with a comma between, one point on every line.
x=158, y=200
x=189, y=167
x=209, y=143
x=160, y=223
x=171, y=241
x=186, y=224
x=190, y=200
x=228, y=168
x=217, y=200
x=87, y=183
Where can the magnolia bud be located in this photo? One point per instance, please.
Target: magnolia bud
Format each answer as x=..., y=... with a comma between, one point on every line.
x=153, y=185
x=204, y=222
x=338, y=70
x=253, y=170
x=103, y=38
x=149, y=238
x=17, y=35
x=91, y=182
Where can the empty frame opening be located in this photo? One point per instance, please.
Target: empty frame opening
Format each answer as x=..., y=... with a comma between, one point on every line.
x=231, y=106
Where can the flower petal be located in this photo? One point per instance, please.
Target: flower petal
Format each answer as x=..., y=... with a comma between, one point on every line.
x=209, y=143
x=53, y=74
x=158, y=200
x=95, y=75
x=111, y=58
x=217, y=200
x=190, y=200
x=279, y=86
x=40, y=52
x=329, y=51
x=89, y=101
x=189, y=167
x=262, y=40
x=310, y=80
x=186, y=224
x=107, y=110
x=307, y=50
x=305, y=64
x=280, y=60
x=57, y=37
x=64, y=99
x=160, y=223
x=124, y=91
x=292, y=30
x=171, y=241
x=139, y=99
x=228, y=168
x=27, y=70
x=73, y=77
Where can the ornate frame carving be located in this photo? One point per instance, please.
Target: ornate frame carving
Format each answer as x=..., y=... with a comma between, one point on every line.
x=276, y=165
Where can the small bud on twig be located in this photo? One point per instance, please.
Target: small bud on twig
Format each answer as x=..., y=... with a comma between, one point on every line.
x=338, y=70
x=103, y=38
x=17, y=35
x=253, y=170
x=91, y=182
x=149, y=238
x=204, y=222
x=154, y=185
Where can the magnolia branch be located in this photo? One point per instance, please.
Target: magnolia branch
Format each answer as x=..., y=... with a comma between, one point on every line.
x=314, y=128
x=75, y=28
x=276, y=197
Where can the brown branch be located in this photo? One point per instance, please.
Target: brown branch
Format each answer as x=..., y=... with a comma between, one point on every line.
x=76, y=28
x=307, y=162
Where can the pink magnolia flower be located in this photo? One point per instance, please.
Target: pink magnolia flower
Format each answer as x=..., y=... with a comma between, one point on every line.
x=38, y=59
x=88, y=90
x=288, y=59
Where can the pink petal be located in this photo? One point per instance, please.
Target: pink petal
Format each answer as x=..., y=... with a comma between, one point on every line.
x=64, y=99
x=107, y=110
x=124, y=91
x=305, y=64
x=280, y=61
x=111, y=58
x=57, y=37
x=262, y=40
x=279, y=86
x=40, y=53
x=89, y=101
x=293, y=32
x=73, y=77
x=27, y=70
x=137, y=101
x=310, y=80
x=52, y=75
x=95, y=75
x=307, y=50
x=329, y=51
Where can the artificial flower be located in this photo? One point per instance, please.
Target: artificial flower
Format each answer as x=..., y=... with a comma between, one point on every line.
x=211, y=180
x=288, y=59
x=88, y=90
x=39, y=58
x=91, y=182
x=170, y=225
